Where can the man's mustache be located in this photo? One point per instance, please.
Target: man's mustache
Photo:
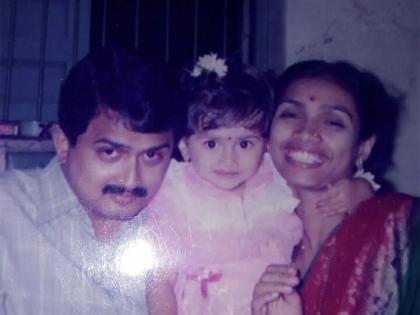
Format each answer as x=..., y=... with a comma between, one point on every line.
x=119, y=189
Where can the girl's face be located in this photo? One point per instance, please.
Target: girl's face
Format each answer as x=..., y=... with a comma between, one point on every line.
x=314, y=134
x=225, y=157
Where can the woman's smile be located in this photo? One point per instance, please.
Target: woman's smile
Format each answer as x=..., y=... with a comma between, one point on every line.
x=303, y=158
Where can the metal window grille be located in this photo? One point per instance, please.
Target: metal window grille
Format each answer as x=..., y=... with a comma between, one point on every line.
x=174, y=31
x=11, y=51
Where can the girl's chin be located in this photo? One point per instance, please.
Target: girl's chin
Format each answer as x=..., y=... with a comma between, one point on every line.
x=233, y=189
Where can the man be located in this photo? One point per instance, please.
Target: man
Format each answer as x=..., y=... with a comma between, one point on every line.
x=64, y=229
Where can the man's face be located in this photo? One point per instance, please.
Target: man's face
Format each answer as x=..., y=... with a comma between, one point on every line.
x=114, y=171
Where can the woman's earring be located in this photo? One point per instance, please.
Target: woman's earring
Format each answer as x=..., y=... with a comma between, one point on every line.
x=368, y=176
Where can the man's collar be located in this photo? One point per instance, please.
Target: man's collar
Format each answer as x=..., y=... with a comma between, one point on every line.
x=57, y=197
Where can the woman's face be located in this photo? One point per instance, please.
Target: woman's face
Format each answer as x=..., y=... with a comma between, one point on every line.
x=314, y=134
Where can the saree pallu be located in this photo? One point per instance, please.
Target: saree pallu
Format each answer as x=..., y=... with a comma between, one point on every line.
x=360, y=267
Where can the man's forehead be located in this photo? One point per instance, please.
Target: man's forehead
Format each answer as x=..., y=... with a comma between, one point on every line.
x=116, y=129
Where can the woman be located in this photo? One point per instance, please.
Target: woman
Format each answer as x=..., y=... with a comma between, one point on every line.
x=333, y=119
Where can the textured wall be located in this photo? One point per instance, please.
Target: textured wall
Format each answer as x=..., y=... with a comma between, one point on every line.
x=380, y=35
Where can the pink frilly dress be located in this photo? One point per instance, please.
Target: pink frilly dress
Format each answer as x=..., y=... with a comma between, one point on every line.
x=219, y=244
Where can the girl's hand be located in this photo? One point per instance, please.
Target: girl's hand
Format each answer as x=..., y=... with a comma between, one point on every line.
x=275, y=291
x=344, y=196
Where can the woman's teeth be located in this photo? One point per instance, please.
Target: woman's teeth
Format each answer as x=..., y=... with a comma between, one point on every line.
x=304, y=157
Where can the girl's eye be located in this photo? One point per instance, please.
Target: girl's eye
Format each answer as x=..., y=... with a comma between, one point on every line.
x=245, y=144
x=210, y=144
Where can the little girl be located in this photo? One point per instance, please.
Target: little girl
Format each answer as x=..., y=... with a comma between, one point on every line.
x=224, y=214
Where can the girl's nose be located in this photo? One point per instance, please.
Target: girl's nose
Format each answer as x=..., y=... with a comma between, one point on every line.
x=229, y=156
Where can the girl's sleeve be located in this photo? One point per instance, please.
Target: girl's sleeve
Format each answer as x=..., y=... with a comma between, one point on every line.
x=292, y=228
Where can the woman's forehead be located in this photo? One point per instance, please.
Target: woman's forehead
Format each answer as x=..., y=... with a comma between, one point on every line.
x=314, y=91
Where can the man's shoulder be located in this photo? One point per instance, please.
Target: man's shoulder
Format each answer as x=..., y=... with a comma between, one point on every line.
x=21, y=192
x=17, y=183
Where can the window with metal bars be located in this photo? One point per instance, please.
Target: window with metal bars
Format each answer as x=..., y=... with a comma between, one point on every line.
x=174, y=31
x=39, y=41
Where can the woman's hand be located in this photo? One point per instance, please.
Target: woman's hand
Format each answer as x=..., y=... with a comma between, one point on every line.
x=275, y=293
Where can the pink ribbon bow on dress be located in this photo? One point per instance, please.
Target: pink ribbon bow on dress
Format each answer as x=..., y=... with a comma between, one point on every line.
x=205, y=277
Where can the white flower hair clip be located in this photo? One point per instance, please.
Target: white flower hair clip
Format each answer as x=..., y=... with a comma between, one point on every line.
x=210, y=63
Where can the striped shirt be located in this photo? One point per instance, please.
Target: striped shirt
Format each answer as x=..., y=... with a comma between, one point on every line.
x=50, y=261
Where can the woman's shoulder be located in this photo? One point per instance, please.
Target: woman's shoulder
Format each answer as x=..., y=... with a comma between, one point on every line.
x=383, y=205
x=377, y=217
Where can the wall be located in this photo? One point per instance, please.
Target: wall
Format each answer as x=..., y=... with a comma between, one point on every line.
x=380, y=35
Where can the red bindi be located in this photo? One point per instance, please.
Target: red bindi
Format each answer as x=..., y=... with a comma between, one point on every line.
x=312, y=98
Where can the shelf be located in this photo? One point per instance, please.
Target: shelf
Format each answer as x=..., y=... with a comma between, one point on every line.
x=23, y=145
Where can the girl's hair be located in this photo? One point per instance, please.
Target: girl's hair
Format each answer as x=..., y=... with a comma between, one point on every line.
x=378, y=110
x=242, y=95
